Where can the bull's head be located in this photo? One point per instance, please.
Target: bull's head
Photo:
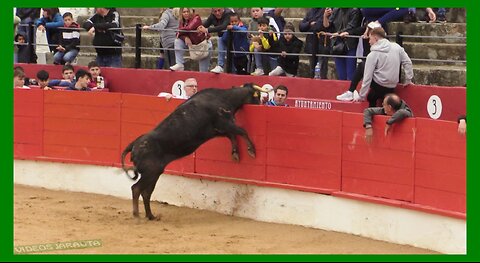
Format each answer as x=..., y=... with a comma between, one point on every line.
x=255, y=97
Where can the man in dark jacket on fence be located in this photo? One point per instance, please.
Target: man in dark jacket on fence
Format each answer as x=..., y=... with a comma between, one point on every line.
x=392, y=106
x=101, y=27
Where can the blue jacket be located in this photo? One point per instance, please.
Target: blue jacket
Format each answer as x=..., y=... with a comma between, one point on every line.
x=240, y=41
x=51, y=26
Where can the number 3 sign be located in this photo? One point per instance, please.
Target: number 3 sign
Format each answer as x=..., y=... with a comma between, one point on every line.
x=434, y=107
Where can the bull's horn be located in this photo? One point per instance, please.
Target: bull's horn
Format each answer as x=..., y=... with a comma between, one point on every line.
x=260, y=88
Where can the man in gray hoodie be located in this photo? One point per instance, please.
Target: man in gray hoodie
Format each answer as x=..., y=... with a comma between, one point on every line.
x=382, y=68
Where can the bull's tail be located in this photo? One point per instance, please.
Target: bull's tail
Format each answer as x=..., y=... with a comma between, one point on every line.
x=130, y=168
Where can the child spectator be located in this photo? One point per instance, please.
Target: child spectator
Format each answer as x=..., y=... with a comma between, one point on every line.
x=19, y=79
x=263, y=42
x=42, y=79
x=289, y=43
x=83, y=78
x=97, y=81
x=68, y=77
x=240, y=43
x=69, y=41
x=22, y=53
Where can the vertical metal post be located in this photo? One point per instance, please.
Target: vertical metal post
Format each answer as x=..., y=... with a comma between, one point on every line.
x=31, y=47
x=138, y=44
x=314, y=58
x=229, y=50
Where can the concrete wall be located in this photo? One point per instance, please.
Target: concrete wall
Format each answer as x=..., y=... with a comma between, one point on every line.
x=392, y=224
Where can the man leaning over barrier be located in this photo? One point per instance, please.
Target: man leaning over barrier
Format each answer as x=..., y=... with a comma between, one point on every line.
x=392, y=106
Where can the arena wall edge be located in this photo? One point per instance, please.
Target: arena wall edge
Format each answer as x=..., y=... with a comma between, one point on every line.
x=381, y=222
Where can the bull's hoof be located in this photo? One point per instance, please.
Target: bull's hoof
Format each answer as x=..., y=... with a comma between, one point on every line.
x=252, y=153
x=235, y=157
x=136, y=214
x=152, y=217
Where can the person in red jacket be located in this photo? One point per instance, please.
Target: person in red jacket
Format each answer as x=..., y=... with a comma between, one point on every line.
x=188, y=36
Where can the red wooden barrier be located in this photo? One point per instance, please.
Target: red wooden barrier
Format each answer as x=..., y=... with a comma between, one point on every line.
x=28, y=123
x=440, y=165
x=384, y=168
x=420, y=164
x=303, y=148
x=82, y=126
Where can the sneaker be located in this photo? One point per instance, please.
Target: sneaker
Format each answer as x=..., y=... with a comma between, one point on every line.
x=346, y=96
x=289, y=75
x=177, y=67
x=277, y=71
x=410, y=17
x=217, y=69
x=356, y=96
x=258, y=72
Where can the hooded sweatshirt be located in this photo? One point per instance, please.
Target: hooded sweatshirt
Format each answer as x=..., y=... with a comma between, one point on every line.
x=167, y=21
x=383, y=66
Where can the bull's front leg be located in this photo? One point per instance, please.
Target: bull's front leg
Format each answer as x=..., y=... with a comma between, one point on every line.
x=235, y=130
x=233, y=140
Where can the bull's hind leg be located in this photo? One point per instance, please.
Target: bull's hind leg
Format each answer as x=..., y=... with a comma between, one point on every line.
x=146, y=195
x=136, y=190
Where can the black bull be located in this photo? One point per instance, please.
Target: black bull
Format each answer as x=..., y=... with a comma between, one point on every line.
x=207, y=114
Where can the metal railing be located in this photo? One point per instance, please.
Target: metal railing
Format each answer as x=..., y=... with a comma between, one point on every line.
x=399, y=38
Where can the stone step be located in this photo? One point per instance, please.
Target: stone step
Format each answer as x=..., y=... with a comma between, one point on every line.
x=435, y=51
x=426, y=74
x=456, y=32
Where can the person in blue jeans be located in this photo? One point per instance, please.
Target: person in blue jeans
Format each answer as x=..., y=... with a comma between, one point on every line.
x=430, y=15
x=343, y=21
x=68, y=49
x=99, y=26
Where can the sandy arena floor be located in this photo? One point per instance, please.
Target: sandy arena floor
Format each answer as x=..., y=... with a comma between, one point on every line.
x=46, y=216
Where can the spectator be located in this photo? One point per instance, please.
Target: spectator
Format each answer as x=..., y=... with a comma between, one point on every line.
x=343, y=21
x=276, y=14
x=97, y=78
x=240, y=43
x=430, y=15
x=27, y=15
x=190, y=87
x=313, y=22
x=167, y=25
x=83, y=77
x=382, y=67
x=22, y=52
x=219, y=19
x=190, y=21
x=43, y=79
x=462, y=124
x=99, y=26
x=67, y=75
x=288, y=43
x=19, y=79
x=281, y=93
x=392, y=106
x=265, y=41
x=256, y=13
x=50, y=22
x=67, y=50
